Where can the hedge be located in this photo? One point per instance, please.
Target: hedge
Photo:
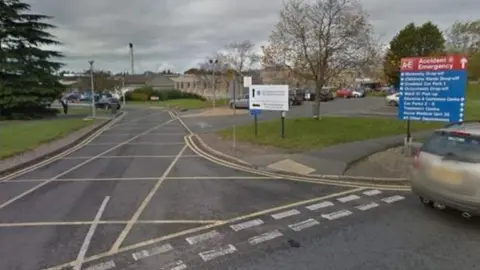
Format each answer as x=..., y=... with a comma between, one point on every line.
x=145, y=93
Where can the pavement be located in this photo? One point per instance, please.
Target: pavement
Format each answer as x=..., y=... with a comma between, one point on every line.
x=140, y=196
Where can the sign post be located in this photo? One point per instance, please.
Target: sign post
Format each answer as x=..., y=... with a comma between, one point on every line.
x=432, y=89
x=268, y=98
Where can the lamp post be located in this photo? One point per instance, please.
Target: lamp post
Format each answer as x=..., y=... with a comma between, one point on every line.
x=92, y=88
x=214, y=62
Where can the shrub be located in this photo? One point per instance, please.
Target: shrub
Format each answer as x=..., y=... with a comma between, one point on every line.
x=145, y=93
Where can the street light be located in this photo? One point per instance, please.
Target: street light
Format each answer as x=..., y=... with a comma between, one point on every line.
x=214, y=62
x=92, y=87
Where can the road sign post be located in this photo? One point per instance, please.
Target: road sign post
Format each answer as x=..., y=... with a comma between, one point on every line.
x=432, y=89
x=268, y=98
x=283, y=124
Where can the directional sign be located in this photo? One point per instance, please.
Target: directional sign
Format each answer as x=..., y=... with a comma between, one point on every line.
x=268, y=97
x=255, y=112
x=433, y=88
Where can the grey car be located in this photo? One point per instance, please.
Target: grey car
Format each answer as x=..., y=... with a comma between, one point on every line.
x=240, y=103
x=446, y=169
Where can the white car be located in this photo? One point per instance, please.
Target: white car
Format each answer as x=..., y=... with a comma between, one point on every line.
x=392, y=100
x=358, y=93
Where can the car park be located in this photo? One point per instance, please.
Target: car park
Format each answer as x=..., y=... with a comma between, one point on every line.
x=446, y=169
x=392, y=100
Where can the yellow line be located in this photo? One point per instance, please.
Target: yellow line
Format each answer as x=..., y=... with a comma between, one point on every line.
x=209, y=226
x=137, y=119
x=63, y=154
x=107, y=222
x=224, y=163
x=144, y=179
x=144, y=203
x=23, y=194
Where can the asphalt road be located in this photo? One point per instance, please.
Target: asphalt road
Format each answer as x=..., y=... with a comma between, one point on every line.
x=134, y=183
x=137, y=198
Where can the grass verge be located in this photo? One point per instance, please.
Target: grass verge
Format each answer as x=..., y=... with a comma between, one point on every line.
x=308, y=133
x=188, y=104
x=19, y=136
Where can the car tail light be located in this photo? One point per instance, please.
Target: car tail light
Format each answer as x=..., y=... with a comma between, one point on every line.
x=416, y=159
x=460, y=133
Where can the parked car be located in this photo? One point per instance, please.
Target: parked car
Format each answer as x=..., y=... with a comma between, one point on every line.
x=344, y=93
x=392, y=100
x=445, y=171
x=326, y=95
x=240, y=103
x=107, y=103
x=295, y=97
x=359, y=93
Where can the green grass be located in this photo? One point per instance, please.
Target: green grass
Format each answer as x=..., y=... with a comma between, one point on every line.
x=182, y=103
x=308, y=133
x=20, y=136
x=80, y=110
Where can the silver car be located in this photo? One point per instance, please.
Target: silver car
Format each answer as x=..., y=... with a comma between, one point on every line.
x=240, y=103
x=446, y=169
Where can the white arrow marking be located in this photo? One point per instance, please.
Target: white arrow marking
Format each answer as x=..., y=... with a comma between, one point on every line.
x=463, y=61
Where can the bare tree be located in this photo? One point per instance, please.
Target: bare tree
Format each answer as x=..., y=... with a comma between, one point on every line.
x=320, y=40
x=464, y=37
x=241, y=56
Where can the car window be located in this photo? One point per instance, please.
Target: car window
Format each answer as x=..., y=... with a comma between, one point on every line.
x=461, y=147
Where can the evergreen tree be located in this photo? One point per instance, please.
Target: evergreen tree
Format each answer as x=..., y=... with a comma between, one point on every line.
x=28, y=73
x=411, y=41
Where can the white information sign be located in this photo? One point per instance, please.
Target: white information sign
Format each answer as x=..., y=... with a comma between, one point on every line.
x=268, y=97
x=247, y=81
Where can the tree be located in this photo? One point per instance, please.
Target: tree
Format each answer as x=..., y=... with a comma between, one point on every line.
x=241, y=56
x=411, y=41
x=464, y=37
x=28, y=72
x=319, y=40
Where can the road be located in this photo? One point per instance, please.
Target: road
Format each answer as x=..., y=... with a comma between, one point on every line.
x=338, y=107
x=136, y=197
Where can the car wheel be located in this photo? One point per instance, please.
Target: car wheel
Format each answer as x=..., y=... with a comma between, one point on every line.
x=425, y=201
x=392, y=103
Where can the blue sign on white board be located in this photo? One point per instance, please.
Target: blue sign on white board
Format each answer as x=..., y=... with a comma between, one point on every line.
x=433, y=88
x=255, y=112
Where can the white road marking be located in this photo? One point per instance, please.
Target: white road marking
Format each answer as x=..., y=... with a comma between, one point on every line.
x=348, y=198
x=321, y=205
x=202, y=237
x=102, y=266
x=367, y=206
x=264, y=237
x=116, y=246
x=25, y=193
x=151, y=252
x=372, y=192
x=247, y=224
x=215, y=253
x=303, y=224
x=393, y=199
x=337, y=214
x=88, y=238
x=285, y=214
x=177, y=265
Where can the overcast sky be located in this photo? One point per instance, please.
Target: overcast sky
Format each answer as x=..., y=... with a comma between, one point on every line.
x=178, y=34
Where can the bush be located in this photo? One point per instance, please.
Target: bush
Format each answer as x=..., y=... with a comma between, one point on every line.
x=28, y=113
x=145, y=93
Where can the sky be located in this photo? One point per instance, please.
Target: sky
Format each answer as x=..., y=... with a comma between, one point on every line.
x=178, y=34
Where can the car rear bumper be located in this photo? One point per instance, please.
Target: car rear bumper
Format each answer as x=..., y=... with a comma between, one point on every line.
x=470, y=204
